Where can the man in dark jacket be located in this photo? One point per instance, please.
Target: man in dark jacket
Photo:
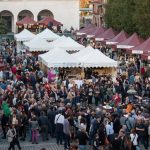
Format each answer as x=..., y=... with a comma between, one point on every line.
x=43, y=122
x=51, y=117
x=4, y=122
x=93, y=129
x=23, y=124
x=82, y=137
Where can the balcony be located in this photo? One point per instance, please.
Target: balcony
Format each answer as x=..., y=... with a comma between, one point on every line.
x=98, y=2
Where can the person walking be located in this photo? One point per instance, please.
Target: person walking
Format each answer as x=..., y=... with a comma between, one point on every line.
x=67, y=132
x=140, y=129
x=13, y=138
x=11, y=133
x=90, y=95
x=134, y=139
x=51, y=113
x=23, y=124
x=110, y=131
x=4, y=122
x=82, y=137
x=34, y=129
x=44, y=123
x=97, y=95
x=59, y=121
x=95, y=123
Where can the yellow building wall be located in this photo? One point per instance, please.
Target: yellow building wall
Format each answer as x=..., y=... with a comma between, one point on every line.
x=84, y=3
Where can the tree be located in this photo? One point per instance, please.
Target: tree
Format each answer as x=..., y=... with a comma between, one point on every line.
x=3, y=26
x=114, y=14
x=129, y=25
x=142, y=17
x=119, y=15
x=130, y=15
x=108, y=13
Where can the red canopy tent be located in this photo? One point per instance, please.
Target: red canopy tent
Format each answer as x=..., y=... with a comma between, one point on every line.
x=26, y=21
x=131, y=42
x=108, y=34
x=95, y=31
x=85, y=29
x=91, y=30
x=142, y=48
x=122, y=36
x=48, y=20
x=145, y=56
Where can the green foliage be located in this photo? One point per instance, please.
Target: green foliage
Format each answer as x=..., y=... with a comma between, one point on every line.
x=130, y=15
x=3, y=26
x=142, y=17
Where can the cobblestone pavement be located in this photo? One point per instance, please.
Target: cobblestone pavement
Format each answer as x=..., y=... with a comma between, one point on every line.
x=26, y=145
x=30, y=146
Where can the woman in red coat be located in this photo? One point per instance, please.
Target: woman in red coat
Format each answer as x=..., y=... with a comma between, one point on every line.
x=116, y=99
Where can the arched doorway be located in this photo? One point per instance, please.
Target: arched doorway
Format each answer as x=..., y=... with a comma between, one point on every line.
x=9, y=17
x=25, y=13
x=45, y=13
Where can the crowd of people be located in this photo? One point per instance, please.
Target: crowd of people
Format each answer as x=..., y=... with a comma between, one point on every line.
x=103, y=113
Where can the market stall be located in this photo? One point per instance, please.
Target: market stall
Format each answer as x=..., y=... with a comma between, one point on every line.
x=48, y=35
x=142, y=48
x=51, y=23
x=27, y=23
x=132, y=41
x=87, y=58
x=146, y=56
x=125, y=46
x=96, y=59
x=21, y=37
x=38, y=45
x=67, y=43
x=122, y=36
x=108, y=34
x=96, y=32
x=84, y=52
x=91, y=30
x=58, y=58
x=83, y=31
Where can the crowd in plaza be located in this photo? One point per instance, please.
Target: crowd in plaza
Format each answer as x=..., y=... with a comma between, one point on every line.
x=103, y=113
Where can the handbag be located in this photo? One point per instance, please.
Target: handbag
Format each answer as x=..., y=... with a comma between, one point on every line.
x=132, y=142
x=106, y=141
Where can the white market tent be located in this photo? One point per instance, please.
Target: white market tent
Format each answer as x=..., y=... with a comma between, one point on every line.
x=89, y=57
x=58, y=41
x=84, y=52
x=67, y=44
x=38, y=44
x=24, y=35
x=48, y=35
x=58, y=57
x=97, y=59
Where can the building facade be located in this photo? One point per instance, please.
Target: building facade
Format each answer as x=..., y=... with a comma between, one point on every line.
x=85, y=12
x=64, y=11
x=84, y=3
x=98, y=12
